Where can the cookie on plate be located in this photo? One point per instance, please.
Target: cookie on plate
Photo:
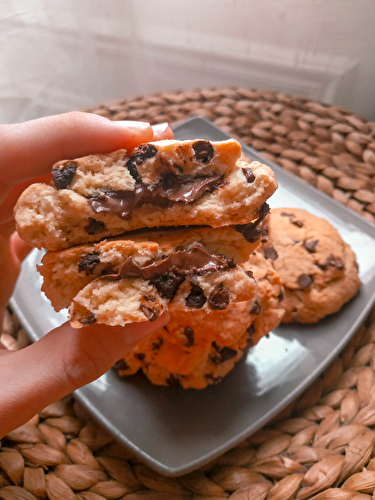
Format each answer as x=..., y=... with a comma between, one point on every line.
x=122, y=280
x=164, y=183
x=318, y=269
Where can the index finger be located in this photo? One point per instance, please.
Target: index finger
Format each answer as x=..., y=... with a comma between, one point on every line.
x=29, y=149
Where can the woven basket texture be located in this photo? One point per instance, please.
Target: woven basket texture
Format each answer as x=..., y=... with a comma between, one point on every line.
x=322, y=445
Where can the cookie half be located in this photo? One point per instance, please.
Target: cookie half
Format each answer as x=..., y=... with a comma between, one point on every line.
x=160, y=184
x=123, y=280
x=318, y=269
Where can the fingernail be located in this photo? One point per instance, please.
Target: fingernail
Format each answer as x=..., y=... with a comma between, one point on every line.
x=160, y=127
x=132, y=124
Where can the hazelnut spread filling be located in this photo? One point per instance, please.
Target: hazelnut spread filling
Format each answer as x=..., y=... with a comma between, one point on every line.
x=171, y=189
x=181, y=263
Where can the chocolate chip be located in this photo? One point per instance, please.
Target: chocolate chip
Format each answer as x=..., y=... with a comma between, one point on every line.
x=253, y=230
x=178, y=167
x=121, y=364
x=310, y=246
x=264, y=232
x=304, y=281
x=335, y=262
x=94, y=226
x=166, y=328
x=203, y=150
x=140, y=355
x=141, y=154
x=155, y=346
x=225, y=353
x=270, y=253
x=88, y=263
x=297, y=223
x=256, y=307
x=216, y=346
x=214, y=380
x=196, y=298
x=189, y=334
x=90, y=320
x=219, y=298
x=173, y=380
x=62, y=176
x=151, y=313
x=332, y=261
x=249, y=273
x=249, y=174
x=250, y=329
x=167, y=284
x=249, y=345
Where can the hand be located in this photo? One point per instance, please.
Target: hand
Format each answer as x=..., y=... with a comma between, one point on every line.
x=65, y=359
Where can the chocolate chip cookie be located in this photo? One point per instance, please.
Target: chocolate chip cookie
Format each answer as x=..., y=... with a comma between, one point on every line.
x=318, y=269
x=123, y=280
x=165, y=183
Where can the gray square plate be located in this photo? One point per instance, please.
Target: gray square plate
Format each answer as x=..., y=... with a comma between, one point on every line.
x=176, y=431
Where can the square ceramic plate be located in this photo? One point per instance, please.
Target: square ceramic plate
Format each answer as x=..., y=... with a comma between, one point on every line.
x=176, y=431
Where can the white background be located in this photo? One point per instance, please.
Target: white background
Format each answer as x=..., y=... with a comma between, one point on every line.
x=62, y=55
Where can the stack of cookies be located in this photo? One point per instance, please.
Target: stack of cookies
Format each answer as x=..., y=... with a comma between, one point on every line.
x=183, y=227
x=169, y=227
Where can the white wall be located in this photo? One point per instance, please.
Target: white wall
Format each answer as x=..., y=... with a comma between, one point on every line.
x=61, y=55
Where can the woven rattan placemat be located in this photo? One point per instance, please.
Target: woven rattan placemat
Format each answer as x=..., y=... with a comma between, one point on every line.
x=322, y=445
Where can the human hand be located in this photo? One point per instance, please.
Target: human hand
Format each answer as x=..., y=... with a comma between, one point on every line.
x=65, y=359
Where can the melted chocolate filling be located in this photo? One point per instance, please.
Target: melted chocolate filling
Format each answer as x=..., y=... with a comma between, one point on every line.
x=171, y=189
x=181, y=263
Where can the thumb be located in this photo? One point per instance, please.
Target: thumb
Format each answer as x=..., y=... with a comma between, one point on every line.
x=61, y=362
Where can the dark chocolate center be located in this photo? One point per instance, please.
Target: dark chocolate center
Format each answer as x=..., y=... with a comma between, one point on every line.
x=171, y=189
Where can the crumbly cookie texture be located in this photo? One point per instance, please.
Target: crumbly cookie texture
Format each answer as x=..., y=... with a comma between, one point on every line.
x=318, y=269
x=193, y=182
x=196, y=349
